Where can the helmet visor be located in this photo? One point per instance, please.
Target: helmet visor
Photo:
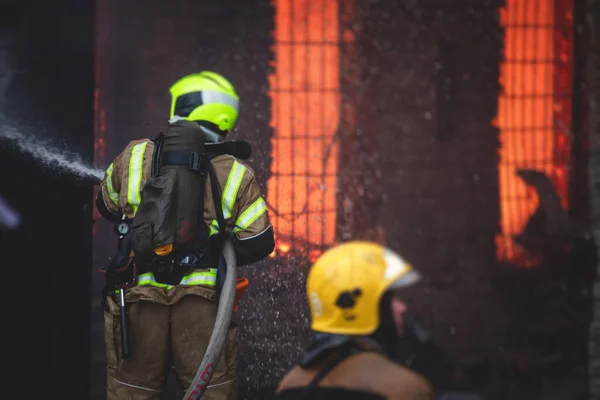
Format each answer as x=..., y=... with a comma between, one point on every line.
x=408, y=279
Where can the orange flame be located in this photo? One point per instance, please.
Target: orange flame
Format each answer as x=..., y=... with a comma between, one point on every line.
x=527, y=111
x=305, y=113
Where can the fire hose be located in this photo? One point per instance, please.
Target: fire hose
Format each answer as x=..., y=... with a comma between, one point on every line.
x=219, y=333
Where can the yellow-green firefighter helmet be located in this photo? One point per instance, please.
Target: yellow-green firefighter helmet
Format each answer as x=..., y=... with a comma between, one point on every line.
x=206, y=97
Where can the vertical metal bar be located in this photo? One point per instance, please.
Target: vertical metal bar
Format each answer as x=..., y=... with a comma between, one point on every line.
x=502, y=124
x=293, y=91
x=537, y=158
x=548, y=113
x=564, y=72
x=277, y=98
x=307, y=128
x=563, y=96
x=322, y=90
x=555, y=89
x=579, y=174
x=506, y=125
x=511, y=128
x=523, y=130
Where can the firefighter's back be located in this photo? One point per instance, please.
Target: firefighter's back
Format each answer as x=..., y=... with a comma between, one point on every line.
x=131, y=170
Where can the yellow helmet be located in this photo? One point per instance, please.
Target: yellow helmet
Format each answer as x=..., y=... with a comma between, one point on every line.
x=205, y=96
x=346, y=283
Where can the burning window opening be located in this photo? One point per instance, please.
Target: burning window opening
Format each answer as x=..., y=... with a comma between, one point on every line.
x=534, y=111
x=305, y=93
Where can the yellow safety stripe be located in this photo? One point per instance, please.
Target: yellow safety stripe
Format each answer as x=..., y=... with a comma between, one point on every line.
x=114, y=196
x=232, y=186
x=214, y=227
x=252, y=213
x=136, y=163
x=234, y=180
x=194, y=279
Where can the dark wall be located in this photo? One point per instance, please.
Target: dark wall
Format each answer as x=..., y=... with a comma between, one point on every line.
x=425, y=97
x=47, y=59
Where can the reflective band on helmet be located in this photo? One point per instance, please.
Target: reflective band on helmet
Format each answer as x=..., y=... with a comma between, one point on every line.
x=194, y=279
x=114, y=196
x=234, y=180
x=136, y=164
x=185, y=104
x=209, y=97
x=252, y=213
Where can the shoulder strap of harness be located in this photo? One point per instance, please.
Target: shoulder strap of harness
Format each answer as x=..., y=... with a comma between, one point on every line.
x=158, y=142
x=331, y=364
x=216, y=195
x=194, y=161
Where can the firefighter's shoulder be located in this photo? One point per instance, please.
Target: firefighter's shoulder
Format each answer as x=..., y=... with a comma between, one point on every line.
x=149, y=145
x=120, y=164
x=228, y=162
x=390, y=378
x=139, y=141
x=366, y=372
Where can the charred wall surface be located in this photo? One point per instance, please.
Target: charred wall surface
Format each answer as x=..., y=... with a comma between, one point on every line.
x=141, y=51
x=46, y=91
x=593, y=68
x=425, y=96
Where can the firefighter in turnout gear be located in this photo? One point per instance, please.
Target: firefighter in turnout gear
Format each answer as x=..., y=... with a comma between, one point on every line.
x=354, y=292
x=178, y=195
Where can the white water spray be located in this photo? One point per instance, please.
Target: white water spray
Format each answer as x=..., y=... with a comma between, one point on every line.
x=48, y=155
x=43, y=151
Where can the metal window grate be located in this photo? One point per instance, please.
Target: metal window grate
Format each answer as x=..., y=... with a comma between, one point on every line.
x=534, y=114
x=305, y=95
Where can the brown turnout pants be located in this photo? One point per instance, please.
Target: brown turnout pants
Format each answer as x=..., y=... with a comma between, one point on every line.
x=175, y=326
